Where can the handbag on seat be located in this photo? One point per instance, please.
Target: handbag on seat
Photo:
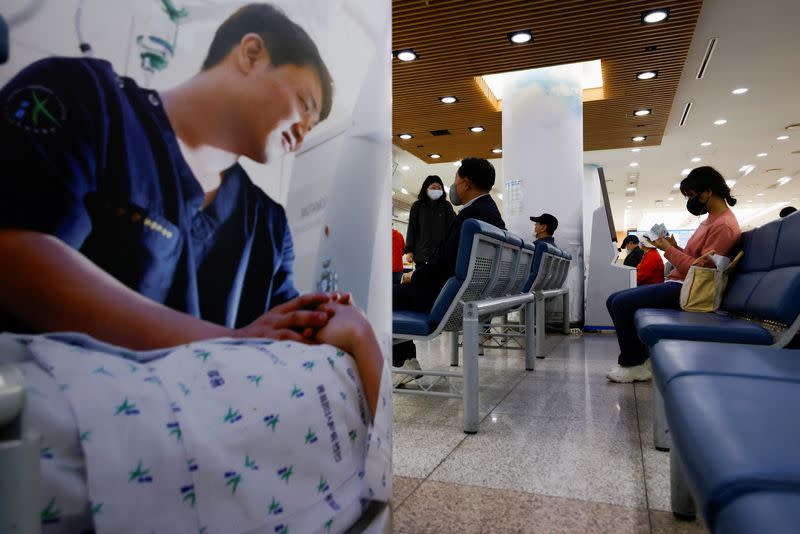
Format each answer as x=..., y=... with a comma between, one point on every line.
x=704, y=287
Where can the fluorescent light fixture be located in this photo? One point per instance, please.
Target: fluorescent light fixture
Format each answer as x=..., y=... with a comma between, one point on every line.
x=520, y=37
x=449, y=99
x=633, y=164
x=638, y=138
x=476, y=129
x=646, y=75
x=740, y=91
x=720, y=122
x=785, y=180
x=667, y=205
x=671, y=198
x=761, y=154
x=405, y=167
x=655, y=15
x=592, y=78
x=629, y=200
x=404, y=191
x=685, y=172
x=497, y=151
x=407, y=54
x=730, y=183
x=759, y=194
x=405, y=136
x=695, y=159
x=630, y=189
x=746, y=169
x=705, y=143
x=642, y=112
x=782, y=137
x=749, y=201
x=434, y=156
x=636, y=150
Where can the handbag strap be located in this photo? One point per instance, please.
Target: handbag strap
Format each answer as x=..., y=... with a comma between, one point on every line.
x=704, y=256
x=736, y=260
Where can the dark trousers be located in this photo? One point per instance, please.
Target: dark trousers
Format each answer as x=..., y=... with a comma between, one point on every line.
x=622, y=306
x=411, y=297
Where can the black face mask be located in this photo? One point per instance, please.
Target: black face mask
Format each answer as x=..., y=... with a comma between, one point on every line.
x=696, y=206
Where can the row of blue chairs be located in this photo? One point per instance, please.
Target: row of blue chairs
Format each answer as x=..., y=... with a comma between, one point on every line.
x=496, y=271
x=725, y=390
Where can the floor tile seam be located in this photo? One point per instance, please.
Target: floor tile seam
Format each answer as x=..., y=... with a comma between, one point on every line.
x=644, y=467
x=416, y=487
x=574, y=499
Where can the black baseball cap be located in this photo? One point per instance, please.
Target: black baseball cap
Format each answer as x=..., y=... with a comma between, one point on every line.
x=629, y=239
x=548, y=220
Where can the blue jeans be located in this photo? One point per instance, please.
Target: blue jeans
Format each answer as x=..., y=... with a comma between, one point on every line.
x=622, y=306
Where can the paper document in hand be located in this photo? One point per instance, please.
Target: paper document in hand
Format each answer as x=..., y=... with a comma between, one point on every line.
x=656, y=232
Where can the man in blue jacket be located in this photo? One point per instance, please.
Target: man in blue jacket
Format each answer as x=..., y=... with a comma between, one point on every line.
x=123, y=211
x=473, y=183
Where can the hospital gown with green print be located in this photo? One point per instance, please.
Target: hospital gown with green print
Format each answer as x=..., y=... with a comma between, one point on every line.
x=220, y=436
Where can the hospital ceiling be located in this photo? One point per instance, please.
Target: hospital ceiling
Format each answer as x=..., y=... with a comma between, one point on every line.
x=457, y=40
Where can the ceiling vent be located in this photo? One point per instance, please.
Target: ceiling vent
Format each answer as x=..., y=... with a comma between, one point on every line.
x=437, y=133
x=712, y=44
x=685, y=115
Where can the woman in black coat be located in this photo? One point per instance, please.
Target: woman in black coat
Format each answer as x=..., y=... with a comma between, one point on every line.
x=431, y=216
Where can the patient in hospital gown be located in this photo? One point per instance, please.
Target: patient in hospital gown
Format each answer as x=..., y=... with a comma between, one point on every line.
x=215, y=436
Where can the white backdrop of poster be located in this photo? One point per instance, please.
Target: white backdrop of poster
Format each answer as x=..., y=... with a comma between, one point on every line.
x=341, y=178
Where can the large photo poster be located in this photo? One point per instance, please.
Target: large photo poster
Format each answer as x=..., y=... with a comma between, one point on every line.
x=196, y=201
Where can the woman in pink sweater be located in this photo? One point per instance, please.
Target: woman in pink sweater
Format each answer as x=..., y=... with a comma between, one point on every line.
x=707, y=193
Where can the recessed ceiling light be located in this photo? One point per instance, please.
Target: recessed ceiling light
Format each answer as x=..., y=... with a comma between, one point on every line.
x=434, y=156
x=705, y=143
x=633, y=164
x=740, y=91
x=636, y=150
x=761, y=154
x=785, y=180
x=759, y=194
x=630, y=189
x=638, y=138
x=646, y=75
x=667, y=205
x=782, y=137
x=720, y=122
x=671, y=198
x=456, y=164
x=476, y=129
x=497, y=151
x=449, y=99
x=629, y=200
x=684, y=172
x=750, y=201
x=405, y=167
x=655, y=15
x=405, y=136
x=642, y=112
x=404, y=191
x=520, y=37
x=407, y=54
x=730, y=183
x=695, y=159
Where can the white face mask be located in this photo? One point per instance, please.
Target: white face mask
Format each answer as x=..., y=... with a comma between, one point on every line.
x=435, y=194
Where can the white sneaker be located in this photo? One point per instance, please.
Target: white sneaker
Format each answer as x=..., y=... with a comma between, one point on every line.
x=637, y=373
x=411, y=365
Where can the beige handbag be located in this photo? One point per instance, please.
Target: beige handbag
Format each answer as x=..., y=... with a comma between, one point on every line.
x=704, y=287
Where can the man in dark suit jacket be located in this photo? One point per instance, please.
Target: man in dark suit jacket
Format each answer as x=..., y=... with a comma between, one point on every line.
x=473, y=182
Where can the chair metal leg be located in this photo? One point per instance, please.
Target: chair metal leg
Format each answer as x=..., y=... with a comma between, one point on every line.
x=471, y=341
x=453, y=349
x=565, y=308
x=540, y=327
x=682, y=502
x=661, y=437
x=530, y=343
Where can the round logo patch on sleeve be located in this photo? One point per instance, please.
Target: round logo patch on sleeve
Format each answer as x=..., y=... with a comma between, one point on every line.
x=35, y=109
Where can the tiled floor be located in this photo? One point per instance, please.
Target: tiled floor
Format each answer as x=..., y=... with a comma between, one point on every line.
x=559, y=449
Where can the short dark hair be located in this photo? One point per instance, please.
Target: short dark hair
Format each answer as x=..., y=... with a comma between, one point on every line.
x=707, y=179
x=788, y=210
x=629, y=239
x=286, y=42
x=479, y=171
x=432, y=179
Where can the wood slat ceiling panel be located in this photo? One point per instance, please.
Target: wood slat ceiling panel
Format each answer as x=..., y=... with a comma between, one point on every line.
x=457, y=40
